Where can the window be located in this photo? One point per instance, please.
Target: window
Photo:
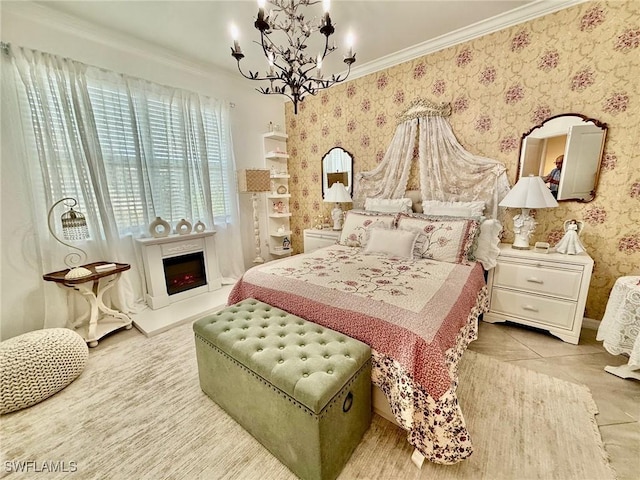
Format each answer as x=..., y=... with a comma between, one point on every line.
x=163, y=155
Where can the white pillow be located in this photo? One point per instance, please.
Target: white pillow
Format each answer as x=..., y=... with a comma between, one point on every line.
x=486, y=250
x=396, y=243
x=453, y=209
x=387, y=205
x=358, y=222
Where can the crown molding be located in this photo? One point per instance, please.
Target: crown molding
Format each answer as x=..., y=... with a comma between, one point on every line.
x=519, y=15
x=44, y=15
x=40, y=13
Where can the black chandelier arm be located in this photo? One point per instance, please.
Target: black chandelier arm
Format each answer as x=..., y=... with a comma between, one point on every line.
x=291, y=69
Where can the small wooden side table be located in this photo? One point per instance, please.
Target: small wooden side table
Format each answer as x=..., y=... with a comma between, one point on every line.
x=92, y=288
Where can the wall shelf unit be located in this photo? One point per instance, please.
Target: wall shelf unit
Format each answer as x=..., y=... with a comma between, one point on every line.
x=274, y=146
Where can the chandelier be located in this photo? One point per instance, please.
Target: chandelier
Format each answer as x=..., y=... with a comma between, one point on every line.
x=292, y=72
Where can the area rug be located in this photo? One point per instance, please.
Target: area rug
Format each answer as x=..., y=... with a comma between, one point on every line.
x=137, y=412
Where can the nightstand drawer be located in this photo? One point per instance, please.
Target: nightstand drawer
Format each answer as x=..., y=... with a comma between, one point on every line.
x=541, y=310
x=315, y=239
x=538, y=279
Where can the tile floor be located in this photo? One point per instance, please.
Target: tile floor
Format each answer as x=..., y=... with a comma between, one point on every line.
x=618, y=400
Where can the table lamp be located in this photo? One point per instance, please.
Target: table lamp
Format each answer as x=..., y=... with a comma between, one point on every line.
x=74, y=227
x=337, y=193
x=529, y=192
x=255, y=181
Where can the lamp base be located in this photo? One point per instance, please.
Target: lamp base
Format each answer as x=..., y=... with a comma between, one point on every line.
x=78, y=272
x=523, y=227
x=338, y=217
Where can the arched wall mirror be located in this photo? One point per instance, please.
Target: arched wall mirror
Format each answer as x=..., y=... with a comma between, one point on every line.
x=580, y=140
x=337, y=166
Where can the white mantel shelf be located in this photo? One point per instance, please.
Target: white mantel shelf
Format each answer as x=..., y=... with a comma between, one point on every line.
x=175, y=238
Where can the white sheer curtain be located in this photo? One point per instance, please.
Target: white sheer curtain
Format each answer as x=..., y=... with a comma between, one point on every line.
x=128, y=150
x=448, y=172
x=389, y=179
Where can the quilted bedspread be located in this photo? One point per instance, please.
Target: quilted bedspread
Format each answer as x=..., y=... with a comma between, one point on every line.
x=418, y=316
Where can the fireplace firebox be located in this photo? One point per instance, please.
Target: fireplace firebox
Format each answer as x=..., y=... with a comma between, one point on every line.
x=184, y=272
x=178, y=267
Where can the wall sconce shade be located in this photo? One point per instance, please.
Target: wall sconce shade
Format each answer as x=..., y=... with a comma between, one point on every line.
x=254, y=181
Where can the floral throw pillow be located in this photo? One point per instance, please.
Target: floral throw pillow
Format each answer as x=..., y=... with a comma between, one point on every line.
x=445, y=239
x=357, y=223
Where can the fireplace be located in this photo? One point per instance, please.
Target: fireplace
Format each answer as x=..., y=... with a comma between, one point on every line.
x=178, y=267
x=184, y=272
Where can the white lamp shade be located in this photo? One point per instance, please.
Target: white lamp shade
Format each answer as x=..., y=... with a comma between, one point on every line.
x=337, y=193
x=529, y=192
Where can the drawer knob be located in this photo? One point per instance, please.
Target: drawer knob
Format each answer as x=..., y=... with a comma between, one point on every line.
x=529, y=308
x=535, y=280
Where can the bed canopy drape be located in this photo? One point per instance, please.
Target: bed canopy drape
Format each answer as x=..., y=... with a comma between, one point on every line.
x=448, y=172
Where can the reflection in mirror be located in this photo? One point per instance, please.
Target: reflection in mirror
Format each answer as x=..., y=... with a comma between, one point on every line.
x=566, y=151
x=337, y=166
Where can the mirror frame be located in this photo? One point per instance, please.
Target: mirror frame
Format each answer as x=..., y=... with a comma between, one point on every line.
x=579, y=120
x=350, y=173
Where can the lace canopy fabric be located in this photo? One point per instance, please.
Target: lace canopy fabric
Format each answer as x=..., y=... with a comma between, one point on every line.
x=447, y=171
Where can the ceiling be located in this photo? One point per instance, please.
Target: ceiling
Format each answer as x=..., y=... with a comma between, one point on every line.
x=199, y=31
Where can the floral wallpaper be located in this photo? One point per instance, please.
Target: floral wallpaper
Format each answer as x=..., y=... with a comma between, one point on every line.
x=584, y=59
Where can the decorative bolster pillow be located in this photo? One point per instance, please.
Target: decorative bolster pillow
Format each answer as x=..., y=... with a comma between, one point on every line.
x=395, y=243
x=454, y=209
x=387, y=205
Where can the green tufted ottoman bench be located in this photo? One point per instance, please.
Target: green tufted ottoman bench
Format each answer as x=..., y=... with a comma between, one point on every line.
x=300, y=389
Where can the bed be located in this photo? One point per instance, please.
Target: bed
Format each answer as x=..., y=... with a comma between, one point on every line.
x=411, y=285
x=416, y=312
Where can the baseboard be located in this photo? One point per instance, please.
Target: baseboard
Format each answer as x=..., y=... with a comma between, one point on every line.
x=590, y=323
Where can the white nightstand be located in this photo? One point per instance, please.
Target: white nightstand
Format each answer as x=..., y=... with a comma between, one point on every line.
x=543, y=290
x=315, y=239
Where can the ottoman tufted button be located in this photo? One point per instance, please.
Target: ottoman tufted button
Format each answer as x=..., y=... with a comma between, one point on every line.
x=330, y=372
x=283, y=324
x=347, y=355
x=282, y=335
x=281, y=361
x=261, y=337
x=281, y=347
x=303, y=345
x=303, y=359
x=259, y=349
x=301, y=334
x=242, y=339
x=305, y=375
x=327, y=356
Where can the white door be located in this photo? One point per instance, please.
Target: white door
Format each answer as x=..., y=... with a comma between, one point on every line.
x=581, y=162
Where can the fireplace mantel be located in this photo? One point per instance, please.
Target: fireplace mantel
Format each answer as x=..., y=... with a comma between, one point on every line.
x=154, y=250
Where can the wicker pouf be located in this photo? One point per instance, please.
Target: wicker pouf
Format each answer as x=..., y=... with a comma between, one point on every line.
x=35, y=365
